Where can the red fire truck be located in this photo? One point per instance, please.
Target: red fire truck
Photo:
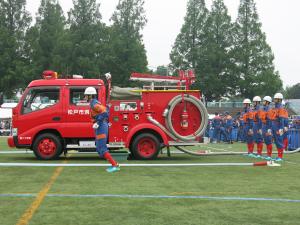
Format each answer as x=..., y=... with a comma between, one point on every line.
x=52, y=116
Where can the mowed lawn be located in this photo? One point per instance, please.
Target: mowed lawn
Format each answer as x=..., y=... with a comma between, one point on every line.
x=141, y=195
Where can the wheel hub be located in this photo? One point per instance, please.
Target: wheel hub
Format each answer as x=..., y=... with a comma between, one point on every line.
x=47, y=147
x=146, y=147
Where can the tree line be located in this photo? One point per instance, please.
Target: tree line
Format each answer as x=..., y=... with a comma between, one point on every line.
x=229, y=58
x=79, y=44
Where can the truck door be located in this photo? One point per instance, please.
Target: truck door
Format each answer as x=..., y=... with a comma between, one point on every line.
x=41, y=109
x=76, y=113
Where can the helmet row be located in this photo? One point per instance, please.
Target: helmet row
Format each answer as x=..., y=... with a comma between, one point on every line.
x=266, y=98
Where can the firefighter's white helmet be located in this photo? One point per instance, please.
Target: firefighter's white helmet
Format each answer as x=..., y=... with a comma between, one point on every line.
x=247, y=101
x=278, y=96
x=90, y=91
x=108, y=76
x=268, y=99
x=257, y=99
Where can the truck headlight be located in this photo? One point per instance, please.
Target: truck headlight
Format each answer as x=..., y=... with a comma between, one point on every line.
x=14, y=132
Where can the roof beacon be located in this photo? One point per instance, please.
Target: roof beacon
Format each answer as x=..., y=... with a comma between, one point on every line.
x=50, y=75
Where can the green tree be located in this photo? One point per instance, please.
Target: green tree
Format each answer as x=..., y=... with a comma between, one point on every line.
x=87, y=36
x=32, y=69
x=51, y=22
x=14, y=21
x=217, y=79
x=293, y=92
x=253, y=57
x=162, y=70
x=187, y=51
x=44, y=40
x=128, y=50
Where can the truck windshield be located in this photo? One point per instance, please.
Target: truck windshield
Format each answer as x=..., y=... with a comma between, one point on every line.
x=38, y=99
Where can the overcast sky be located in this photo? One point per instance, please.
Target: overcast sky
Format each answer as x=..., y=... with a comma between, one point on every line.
x=280, y=21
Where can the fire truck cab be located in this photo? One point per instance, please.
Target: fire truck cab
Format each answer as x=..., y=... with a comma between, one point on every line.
x=52, y=116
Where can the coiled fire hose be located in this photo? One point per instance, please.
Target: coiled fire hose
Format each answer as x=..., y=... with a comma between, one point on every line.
x=169, y=129
x=203, y=112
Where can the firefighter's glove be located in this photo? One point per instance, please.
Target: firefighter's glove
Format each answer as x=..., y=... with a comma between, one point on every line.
x=259, y=131
x=269, y=132
x=95, y=126
x=280, y=132
x=250, y=132
x=285, y=129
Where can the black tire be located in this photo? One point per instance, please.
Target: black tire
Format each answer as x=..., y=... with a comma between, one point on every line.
x=145, y=146
x=47, y=147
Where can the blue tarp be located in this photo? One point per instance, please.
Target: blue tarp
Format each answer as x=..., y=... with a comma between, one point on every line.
x=293, y=136
x=294, y=139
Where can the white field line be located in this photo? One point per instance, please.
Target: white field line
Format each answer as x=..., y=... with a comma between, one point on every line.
x=217, y=198
x=15, y=152
x=122, y=165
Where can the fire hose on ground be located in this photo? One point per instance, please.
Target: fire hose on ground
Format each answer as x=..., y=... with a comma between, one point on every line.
x=209, y=153
x=205, y=153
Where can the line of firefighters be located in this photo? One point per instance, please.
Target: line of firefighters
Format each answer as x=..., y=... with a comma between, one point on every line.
x=223, y=127
x=260, y=124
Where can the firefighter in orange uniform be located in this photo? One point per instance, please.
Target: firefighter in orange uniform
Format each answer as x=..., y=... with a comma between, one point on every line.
x=248, y=126
x=257, y=126
x=100, y=115
x=267, y=126
x=277, y=116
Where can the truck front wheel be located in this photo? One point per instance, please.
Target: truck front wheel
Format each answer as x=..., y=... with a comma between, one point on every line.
x=145, y=146
x=47, y=147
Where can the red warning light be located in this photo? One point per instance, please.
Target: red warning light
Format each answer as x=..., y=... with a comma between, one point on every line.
x=50, y=75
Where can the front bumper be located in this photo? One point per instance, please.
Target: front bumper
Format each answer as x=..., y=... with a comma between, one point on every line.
x=10, y=142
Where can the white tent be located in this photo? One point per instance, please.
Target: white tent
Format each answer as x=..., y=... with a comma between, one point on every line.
x=9, y=105
x=5, y=113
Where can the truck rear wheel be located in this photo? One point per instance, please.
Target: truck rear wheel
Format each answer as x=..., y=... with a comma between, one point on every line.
x=145, y=146
x=47, y=147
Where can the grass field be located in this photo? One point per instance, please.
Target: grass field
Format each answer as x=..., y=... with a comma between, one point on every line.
x=150, y=195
